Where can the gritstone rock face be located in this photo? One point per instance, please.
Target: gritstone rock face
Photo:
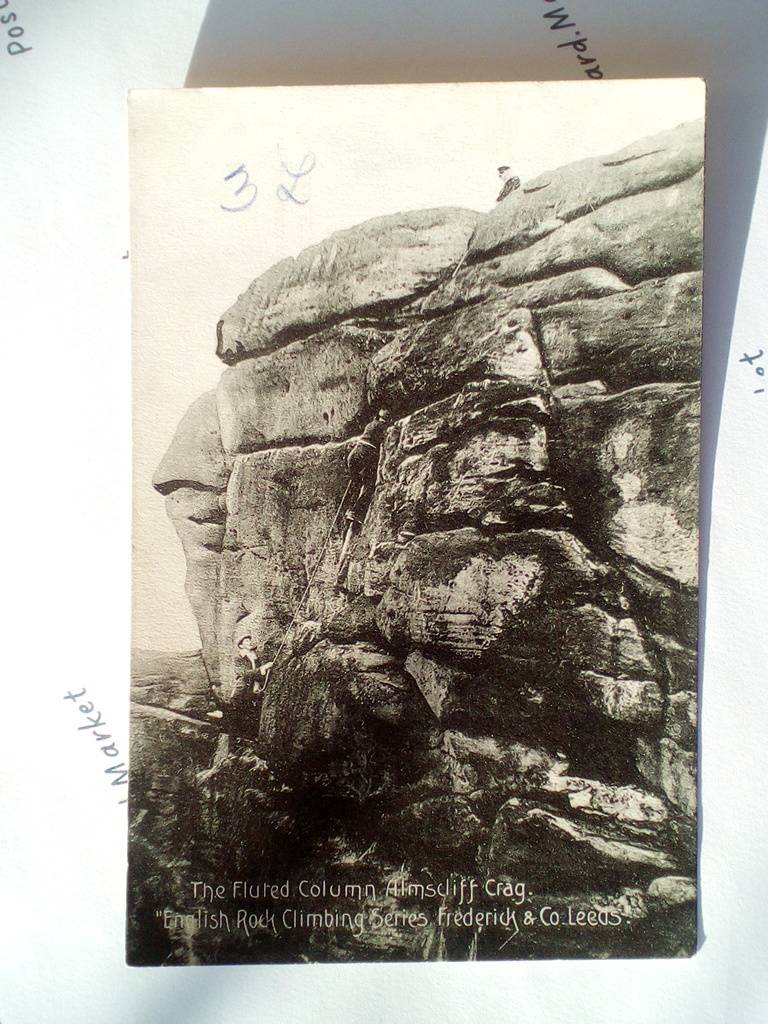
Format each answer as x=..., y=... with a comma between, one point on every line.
x=503, y=677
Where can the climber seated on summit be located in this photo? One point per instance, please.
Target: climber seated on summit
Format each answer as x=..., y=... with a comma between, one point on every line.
x=363, y=464
x=511, y=182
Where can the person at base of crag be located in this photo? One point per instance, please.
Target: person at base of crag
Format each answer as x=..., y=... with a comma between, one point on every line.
x=238, y=713
x=511, y=182
x=258, y=673
x=363, y=464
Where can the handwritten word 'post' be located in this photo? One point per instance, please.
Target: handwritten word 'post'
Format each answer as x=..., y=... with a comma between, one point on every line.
x=759, y=370
x=289, y=190
x=94, y=722
x=14, y=33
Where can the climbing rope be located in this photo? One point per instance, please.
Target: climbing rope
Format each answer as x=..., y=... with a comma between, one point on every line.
x=460, y=264
x=310, y=581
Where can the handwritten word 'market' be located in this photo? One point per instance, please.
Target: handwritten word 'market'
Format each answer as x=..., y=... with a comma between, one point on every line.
x=558, y=17
x=94, y=722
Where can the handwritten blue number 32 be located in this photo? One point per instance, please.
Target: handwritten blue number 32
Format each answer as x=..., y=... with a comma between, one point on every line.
x=286, y=193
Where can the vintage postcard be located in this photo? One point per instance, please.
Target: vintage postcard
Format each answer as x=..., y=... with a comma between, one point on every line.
x=416, y=435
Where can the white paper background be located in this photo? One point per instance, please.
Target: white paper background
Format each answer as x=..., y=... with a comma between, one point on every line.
x=65, y=426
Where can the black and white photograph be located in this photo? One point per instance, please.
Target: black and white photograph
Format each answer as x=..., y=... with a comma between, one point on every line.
x=416, y=509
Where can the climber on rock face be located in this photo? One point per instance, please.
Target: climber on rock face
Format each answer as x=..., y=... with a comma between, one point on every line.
x=363, y=464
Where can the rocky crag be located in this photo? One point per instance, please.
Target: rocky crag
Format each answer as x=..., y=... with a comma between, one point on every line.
x=512, y=692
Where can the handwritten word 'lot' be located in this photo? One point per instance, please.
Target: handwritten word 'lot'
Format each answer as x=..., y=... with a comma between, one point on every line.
x=759, y=370
x=289, y=189
x=94, y=723
x=558, y=18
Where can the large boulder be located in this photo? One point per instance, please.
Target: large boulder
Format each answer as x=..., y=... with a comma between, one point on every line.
x=649, y=234
x=447, y=690
x=530, y=595
x=436, y=357
x=476, y=762
x=626, y=806
x=164, y=679
x=505, y=699
x=478, y=457
x=283, y=539
x=490, y=280
x=558, y=197
x=196, y=453
x=680, y=719
x=630, y=476
x=567, y=850
x=663, y=763
x=643, y=335
x=193, y=475
x=198, y=520
x=672, y=890
x=311, y=390
x=638, y=701
x=371, y=268
x=313, y=704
